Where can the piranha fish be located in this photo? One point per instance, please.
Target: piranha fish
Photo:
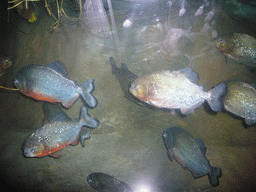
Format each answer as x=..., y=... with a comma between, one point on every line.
x=125, y=78
x=5, y=63
x=241, y=100
x=56, y=135
x=176, y=90
x=190, y=153
x=102, y=182
x=53, y=113
x=239, y=47
x=48, y=83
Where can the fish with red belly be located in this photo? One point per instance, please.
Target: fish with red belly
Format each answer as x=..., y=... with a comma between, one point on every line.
x=56, y=135
x=176, y=90
x=48, y=83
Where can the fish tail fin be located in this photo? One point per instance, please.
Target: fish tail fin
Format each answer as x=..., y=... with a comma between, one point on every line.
x=215, y=101
x=88, y=87
x=215, y=175
x=113, y=65
x=85, y=134
x=86, y=119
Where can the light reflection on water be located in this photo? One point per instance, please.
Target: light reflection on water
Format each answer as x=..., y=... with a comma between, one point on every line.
x=128, y=142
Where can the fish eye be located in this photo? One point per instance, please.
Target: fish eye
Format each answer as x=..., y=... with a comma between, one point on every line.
x=16, y=82
x=136, y=87
x=32, y=150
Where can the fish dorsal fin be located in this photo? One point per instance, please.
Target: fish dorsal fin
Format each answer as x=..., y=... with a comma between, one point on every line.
x=58, y=67
x=53, y=112
x=61, y=117
x=201, y=145
x=124, y=67
x=190, y=74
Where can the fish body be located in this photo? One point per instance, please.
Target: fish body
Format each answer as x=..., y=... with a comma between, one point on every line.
x=56, y=135
x=123, y=74
x=190, y=153
x=5, y=63
x=125, y=78
x=48, y=83
x=53, y=113
x=239, y=47
x=102, y=182
x=241, y=100
x=176, y=90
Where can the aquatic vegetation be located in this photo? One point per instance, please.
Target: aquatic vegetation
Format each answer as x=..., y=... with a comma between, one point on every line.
x=24, y=11
x=60, y=10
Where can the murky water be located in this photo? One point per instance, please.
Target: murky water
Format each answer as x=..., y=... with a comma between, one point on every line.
x=128, y=142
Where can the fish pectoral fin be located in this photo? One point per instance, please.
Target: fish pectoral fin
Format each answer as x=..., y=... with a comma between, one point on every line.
x=69, y=103
x=201, y=145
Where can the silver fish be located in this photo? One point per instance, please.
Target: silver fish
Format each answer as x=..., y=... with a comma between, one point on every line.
x=239, y=47
x=53, y=113
x=241, y=100
x=176, y=90
x=56, y=135
x=48, y=83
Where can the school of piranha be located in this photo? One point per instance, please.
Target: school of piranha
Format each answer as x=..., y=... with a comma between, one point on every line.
x=163, y=89
x=170, y=90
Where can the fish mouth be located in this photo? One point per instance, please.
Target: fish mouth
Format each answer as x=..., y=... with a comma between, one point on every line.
x=16, y=82
x=28, y=154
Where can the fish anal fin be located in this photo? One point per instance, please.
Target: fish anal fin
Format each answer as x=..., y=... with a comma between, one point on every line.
x=54, y=155
x=186, y=111
x=250, y=122
x=197, y=175
x=76, y=141
x=69, y=103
